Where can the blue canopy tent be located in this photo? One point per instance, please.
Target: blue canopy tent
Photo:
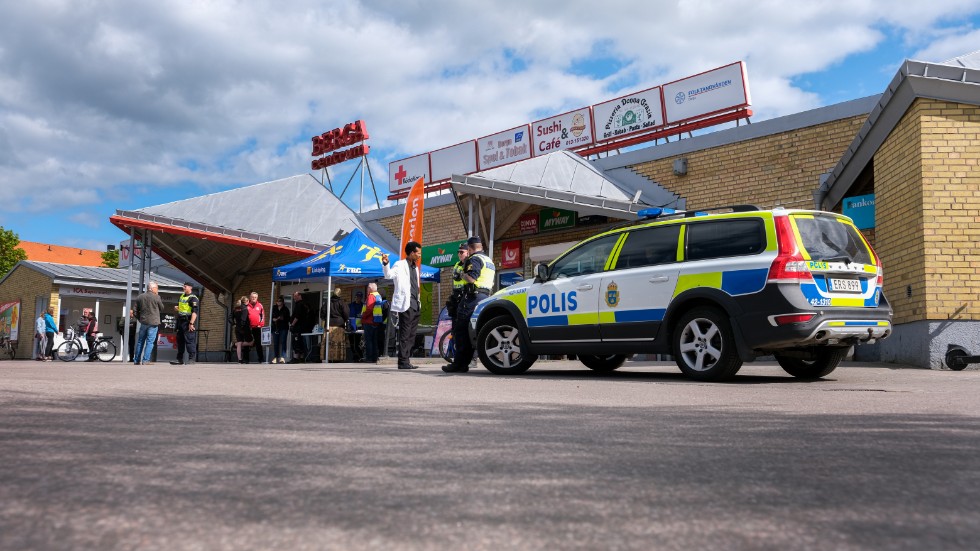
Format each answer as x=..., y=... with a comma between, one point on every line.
x=352, y=258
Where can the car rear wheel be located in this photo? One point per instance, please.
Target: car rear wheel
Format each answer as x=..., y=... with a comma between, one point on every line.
x=704, y=345
x=823, y=360
x=606, y=363
x=501, y=349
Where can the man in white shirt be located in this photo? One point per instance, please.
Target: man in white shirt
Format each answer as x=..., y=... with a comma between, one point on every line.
x=405, y=301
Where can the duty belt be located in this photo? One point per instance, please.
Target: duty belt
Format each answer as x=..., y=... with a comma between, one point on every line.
x=483, y=291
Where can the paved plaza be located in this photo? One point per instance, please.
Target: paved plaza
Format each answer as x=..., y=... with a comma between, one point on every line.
x=349, y=456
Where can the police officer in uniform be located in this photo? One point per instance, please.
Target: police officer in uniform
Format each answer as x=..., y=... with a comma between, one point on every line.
x=188, y=307
x=452, y=305
x=478, y=277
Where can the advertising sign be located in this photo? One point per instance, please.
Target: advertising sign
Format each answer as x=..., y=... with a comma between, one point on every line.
x=712, y=91
x=627, y=115
x=10, y=319
x=70, y=291
x=567, y=131
x=528, y=223
x=861, y=209
x=556, y=219
x=441, y=255
x=458, y=159
x=506, y=279
x=404, y=173
x=504, y=147
x=510, y=254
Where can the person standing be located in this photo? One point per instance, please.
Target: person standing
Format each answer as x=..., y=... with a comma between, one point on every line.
x=121, y=329
x=354, y=324
x=280, y=330
x=243, y=333
x=147, y=309
x=371, y=316
x=405, y=301
x=456, y=297
x=478, y=275
x=188, y=307
x=256, y=320
x=50, y=328
x=298, y=326
x=40, y=337
x=91, y=330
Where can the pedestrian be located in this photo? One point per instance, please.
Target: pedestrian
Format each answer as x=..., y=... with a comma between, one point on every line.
x=354, y=325
x=91, y=331
x=456, y=297
x=121, y=329
x=50, y=328
x=188, y=308
x=336, y=320
x=405, y=301
x=243, y=333
x=40, y=337
x=371, y=316
x=297, y=326
x=478, y=275
x=256, y=320
x=381, y=331
x=147, y=309
x=280, y=330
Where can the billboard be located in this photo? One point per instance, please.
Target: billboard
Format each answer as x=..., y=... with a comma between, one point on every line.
x=566, y=131
x=504, y=147
x=457, y=159
x=627, y=115
x=10, y=320
x=402, y=174
x=510, y=254
x=712, y=91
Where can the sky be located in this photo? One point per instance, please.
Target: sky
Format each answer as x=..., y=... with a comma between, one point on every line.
x=108, y=105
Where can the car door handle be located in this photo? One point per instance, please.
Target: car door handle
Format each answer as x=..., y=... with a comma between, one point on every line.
x=659, y=279
x=585, y=287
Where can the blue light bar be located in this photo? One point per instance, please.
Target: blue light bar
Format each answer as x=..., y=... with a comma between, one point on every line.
x=655, y=212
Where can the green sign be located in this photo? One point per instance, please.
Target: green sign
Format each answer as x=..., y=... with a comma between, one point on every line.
x=555, y=219
x=441, y=255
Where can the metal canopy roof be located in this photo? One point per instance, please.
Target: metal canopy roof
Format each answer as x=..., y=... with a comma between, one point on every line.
x=217, y=238
x=103, y=278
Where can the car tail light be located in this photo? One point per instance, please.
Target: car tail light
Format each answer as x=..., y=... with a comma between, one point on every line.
x=792, y=318
x=789, y=263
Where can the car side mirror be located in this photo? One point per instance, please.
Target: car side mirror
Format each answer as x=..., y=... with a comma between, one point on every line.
x=541, y=273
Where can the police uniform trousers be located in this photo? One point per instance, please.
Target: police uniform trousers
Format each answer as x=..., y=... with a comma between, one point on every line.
x=461, y=329
x=408, y=323
x=186, y=339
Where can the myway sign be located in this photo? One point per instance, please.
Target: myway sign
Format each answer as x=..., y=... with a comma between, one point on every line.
x=556, y=219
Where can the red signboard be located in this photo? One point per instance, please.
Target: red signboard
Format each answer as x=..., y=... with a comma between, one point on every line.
x=336, y=139
x=510, y=254
x=529, y=223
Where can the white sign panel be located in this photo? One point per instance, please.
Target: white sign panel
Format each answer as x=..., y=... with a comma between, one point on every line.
x=710, y=92
x=627, y=115
x=504, y=147
x=458, y=159
x=566, y=131
x=404, y=173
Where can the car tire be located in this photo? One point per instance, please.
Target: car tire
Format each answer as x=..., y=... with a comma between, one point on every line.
x=603, y=364
x=501, y=348
x=704, y=345
x=825, y=359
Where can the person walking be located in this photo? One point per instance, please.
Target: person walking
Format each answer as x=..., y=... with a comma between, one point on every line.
x=50, y=328
x=40, y=337
x=147, y=309
x=371, y=316
x=188, y=307
x=478, y=275
x=256, y=320
x=280, y=330
x=405, y=301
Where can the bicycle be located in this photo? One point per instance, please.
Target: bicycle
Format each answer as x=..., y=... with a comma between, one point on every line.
x=75, y=345
x=8, y=348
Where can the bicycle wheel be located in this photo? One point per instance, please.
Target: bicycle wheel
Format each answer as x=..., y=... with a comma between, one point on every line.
x=68, y=351
x=105, y=350
x=447, y=346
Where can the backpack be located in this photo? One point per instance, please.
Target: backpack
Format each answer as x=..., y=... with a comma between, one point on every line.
x=385, y=309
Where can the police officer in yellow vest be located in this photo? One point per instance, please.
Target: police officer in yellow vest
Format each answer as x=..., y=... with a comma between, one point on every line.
x=458, y=283
x=188, y=307
x=478, y=278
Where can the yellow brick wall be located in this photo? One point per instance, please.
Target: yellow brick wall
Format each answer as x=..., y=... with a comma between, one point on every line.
x=24, y=285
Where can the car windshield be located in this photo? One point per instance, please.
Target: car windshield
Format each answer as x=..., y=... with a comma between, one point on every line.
x=829, y=238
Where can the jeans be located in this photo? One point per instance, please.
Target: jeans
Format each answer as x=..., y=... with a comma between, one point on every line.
x=279, y=339
x=370, y=343
x=145, y=342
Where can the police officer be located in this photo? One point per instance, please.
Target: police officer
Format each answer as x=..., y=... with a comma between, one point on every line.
x=188, y=307
x=478, y=277
x=457, y=295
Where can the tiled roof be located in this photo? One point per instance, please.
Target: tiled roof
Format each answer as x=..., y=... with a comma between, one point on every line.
x=43, y=252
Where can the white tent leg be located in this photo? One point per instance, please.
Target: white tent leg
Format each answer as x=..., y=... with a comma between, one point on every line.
x=326, y=332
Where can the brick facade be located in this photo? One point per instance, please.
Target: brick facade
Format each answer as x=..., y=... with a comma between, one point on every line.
x=27, y=285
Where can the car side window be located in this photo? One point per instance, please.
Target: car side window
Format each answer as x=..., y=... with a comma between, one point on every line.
x=725, y=238
x=649, y=247
x=588, y=258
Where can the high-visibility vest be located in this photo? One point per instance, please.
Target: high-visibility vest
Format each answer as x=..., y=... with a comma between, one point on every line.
x=486, y=278
x=376, y=312
x=458, y=280
x=184, y=305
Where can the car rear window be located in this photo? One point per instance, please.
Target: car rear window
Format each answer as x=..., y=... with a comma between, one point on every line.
x=725, y=238
x=830, y=238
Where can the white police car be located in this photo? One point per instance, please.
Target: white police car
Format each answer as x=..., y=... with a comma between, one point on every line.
x=712, y=289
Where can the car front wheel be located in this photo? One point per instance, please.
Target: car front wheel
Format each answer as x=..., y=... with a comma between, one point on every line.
x=501, y=349
x=704, y=345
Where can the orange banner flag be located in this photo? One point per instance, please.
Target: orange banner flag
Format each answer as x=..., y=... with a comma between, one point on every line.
x=412, y=219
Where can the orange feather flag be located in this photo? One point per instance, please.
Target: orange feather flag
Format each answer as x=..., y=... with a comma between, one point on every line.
x=413, y=217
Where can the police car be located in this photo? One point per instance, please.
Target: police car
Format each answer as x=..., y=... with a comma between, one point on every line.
x=712, y=288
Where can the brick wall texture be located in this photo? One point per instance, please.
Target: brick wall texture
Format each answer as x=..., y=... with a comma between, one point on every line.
x=26, y=285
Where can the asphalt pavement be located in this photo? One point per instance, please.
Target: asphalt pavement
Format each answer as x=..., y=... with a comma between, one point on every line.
x=355, y=456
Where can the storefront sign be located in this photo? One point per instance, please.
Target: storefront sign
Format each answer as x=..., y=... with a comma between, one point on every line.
x=567, y=131
x=458, y=159
x=510, y=254
x=528, y=223
x=710, y=92
x=404, y=173
x=627, y=115
x=861, y=209
x=556, y=219
x=592, y=219
x=441, y=255
x=10, y=320
x=71, y=291
x=504, y=147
